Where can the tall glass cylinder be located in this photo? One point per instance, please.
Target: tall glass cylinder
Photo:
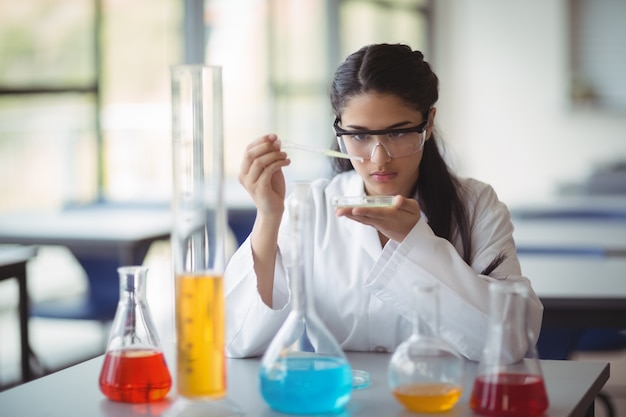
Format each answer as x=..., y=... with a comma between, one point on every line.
x=198, y=241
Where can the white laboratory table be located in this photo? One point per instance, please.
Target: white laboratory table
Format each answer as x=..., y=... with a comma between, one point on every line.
x=121, y=233
x=572, y=387
x=102, y=237
x=584, y=225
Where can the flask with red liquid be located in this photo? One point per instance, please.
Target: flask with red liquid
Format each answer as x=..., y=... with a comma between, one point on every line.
x=506, y=386
x=134, y=368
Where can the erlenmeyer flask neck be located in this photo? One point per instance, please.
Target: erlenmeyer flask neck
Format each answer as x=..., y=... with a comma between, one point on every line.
x=132, y=325
x=133, y=283
x=508, y=305
x=507, y=313
x=507, y=338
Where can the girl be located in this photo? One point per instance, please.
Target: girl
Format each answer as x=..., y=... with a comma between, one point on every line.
x=440, y=227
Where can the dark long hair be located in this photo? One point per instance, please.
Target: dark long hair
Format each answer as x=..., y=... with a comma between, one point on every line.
x=398, y=70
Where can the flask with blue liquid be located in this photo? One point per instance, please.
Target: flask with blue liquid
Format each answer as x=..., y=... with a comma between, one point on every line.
x=304, y=370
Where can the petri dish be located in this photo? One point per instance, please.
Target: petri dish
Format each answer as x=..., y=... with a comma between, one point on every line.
x=360, y=379
x=362, y=201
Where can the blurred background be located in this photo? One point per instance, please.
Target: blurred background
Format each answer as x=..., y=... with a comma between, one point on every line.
x=532, y=93
x=532, y=99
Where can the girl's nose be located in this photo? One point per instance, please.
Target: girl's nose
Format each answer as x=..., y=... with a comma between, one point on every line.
x=380, y=155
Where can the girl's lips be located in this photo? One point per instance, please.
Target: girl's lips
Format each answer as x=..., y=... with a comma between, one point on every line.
x=383, y=176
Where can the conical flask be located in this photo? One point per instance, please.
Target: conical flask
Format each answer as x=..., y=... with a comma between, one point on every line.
x=505, y=386
x=304, y=370
x=425, y=372
x=134, y=368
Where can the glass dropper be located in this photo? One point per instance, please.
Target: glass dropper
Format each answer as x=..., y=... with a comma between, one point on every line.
x=327, y=152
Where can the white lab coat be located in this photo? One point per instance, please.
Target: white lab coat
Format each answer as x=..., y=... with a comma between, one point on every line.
x=362, y=291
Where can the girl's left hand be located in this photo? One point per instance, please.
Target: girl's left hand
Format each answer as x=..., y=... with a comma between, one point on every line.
x=395, y=222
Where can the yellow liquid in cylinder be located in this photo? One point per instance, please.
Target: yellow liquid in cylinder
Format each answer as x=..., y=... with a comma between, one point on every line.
x=201, y=364
x=427, y=398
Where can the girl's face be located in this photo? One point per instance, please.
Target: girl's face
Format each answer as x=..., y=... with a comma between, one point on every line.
x=383, y=175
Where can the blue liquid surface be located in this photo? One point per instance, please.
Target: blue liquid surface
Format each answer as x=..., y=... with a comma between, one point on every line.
x=307, y=385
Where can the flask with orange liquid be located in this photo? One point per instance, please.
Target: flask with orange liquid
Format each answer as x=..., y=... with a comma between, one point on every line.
x=504, y=386
x=425, y=373
x=134, y=368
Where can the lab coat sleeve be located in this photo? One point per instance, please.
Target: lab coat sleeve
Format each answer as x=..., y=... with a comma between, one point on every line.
x=464, y=293
x=250, y=323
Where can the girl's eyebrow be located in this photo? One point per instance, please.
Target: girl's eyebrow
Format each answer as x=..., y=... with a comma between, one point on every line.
x=393, y=126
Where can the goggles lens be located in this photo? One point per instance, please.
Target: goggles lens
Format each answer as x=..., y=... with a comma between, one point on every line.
x=397, y=142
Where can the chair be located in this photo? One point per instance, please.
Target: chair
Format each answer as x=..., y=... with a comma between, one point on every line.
x=98, y=304
x=100, y=301
x=13, y=264
x=240, y=220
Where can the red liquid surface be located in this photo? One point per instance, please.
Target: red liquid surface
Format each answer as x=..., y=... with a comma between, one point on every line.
x=135, y=376
x=509, y=395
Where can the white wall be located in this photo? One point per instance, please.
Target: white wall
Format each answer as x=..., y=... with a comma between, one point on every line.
x=504, y=109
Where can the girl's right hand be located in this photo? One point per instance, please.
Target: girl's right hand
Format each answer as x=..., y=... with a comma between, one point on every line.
x=262, y=176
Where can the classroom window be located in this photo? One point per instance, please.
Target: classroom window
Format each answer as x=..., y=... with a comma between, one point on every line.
x=85, y=86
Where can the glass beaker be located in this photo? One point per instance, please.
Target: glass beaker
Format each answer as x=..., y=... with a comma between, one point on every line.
x=198, y=242
x=426, y=373
x=504, y=385
x=134, y=368
x=304, y=370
